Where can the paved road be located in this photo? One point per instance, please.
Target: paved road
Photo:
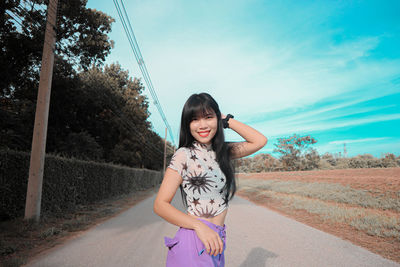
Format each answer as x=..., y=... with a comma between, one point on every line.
x=256, y=237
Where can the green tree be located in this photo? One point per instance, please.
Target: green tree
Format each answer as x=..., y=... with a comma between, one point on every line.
x=82, y=146
x=291, y=149
x=96, y=112
x=94, y=101
x=114, y=111
x=82, y=40
x=310, y=160
x=389, y=160
x=329, y=158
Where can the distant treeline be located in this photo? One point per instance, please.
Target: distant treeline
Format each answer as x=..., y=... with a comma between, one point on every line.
x=296, y=155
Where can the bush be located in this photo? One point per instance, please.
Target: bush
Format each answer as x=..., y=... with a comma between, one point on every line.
x=389, y=160
x=66, y=183
x=312, y=161
x=358, y=162
x=329, y=158
x=82, y=146
x=323, y=164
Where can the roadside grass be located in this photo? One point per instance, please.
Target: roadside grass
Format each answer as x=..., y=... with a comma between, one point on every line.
x=360, y=218
x=328, y=192
x=18, y=236
x=13, y=262
x=21, y=240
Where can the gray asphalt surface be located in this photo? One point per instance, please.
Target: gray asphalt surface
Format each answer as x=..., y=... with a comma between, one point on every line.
x=256, y=237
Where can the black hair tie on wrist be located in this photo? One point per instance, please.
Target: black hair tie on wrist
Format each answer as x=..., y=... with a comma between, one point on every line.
x=225, y=121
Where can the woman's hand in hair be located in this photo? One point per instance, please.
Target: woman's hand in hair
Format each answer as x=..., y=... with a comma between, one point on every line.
x=211, y=240
x=254, y=139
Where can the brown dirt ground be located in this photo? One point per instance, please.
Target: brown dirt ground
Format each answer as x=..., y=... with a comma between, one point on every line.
x=370, y=179
x=376, y=180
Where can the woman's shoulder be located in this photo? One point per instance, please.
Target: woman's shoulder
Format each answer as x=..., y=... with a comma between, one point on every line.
x=179, y=159
x=181, y=152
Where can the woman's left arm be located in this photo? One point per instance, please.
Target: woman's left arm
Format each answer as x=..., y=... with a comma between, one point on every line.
x=254, y=139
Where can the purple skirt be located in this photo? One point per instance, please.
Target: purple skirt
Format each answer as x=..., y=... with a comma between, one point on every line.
x=187, y=250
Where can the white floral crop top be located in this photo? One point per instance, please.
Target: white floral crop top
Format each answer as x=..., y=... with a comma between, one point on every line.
x=203, y=180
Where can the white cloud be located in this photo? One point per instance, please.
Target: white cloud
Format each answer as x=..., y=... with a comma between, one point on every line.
x=352, y=49
x=253, y=71
x=374, y=147
x=262, y=79
x=363, y=140
x=277, y=130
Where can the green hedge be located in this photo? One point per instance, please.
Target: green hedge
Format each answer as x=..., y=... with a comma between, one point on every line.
x=66, y=183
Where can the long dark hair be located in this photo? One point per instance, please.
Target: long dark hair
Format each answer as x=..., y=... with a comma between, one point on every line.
x=201, y=104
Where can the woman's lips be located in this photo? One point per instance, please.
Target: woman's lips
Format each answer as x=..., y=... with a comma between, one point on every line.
x=204, y=134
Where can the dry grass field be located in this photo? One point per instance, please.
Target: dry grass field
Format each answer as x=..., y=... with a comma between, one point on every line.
x=359, y=205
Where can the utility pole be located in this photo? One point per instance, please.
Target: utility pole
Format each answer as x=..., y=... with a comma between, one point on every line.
x=34, y=192
x=165, y=151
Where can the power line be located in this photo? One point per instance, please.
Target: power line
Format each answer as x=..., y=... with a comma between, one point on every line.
x=139, y=58
x=29, y=18
x=19, y=11
x=131, y=127
x=21, y=21
x=151, y=87
x=150, y=148
x=16, y=21
x=34, y=20
x=16, y=15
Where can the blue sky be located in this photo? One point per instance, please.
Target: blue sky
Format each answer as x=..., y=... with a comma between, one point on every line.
x=329, y=69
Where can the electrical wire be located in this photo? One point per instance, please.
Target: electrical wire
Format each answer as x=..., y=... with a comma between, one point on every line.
x=18, y=22
x=151, y=87
x=151, y=148
x=13, y=15
x=130, y=125
x=34, y=21
x=139, y=58
x=22, y=8
x=130, y=41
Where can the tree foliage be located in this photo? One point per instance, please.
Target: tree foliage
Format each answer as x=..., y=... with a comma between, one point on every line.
x=293, y=148
x=313, y=161
x=296, y=154
x=109, y=106
x=82, y=40
x=96, y=112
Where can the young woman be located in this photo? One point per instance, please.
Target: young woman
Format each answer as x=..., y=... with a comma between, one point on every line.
x=203, y=170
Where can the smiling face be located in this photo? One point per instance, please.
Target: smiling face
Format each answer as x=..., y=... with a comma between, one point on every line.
x=204, y=126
